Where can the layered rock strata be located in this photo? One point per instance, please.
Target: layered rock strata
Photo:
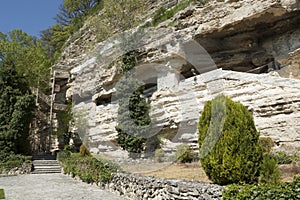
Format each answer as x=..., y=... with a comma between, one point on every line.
x=233, y=35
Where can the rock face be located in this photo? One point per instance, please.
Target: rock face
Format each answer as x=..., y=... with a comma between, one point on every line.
x=234, y=35
x=273, y=101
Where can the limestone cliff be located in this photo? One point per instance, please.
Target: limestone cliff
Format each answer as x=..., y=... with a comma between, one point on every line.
x=179, y=62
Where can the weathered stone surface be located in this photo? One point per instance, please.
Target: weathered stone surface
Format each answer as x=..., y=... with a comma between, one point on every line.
x=237, y=35
x=134, y=186
x=274, y=102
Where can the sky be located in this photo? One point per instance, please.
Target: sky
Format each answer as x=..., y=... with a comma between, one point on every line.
x=31, y=16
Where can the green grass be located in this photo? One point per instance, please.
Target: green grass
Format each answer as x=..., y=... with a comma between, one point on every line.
x=2, y=196
x=163, y=14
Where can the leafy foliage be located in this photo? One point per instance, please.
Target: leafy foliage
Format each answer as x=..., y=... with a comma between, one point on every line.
x=16, y=111
x=133, y=112
x=71, y=17
x=27, y=55
x=269, y=171
x=184, y=153
x=266, y=144
x=9, y=161
x=230, y=152
x=84, y=151
x=54, y=39
x=282, y=158
x=266, y=191
x=89, y=169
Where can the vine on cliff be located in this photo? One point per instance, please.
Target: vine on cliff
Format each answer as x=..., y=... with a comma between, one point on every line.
x=133, y=111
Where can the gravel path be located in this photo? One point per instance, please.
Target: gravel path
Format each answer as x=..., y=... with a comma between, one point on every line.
x=50, y=187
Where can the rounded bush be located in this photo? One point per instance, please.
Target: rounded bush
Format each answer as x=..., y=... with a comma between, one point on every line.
x=228, y=141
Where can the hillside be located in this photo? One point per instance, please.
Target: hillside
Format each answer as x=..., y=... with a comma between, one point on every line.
x=249, y=51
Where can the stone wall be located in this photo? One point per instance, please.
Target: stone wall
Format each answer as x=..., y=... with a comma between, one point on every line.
x=24, y=169
x=138, y=187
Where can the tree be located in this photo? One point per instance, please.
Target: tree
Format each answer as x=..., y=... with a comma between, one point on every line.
x=64, y=17
x=27, y=55
x=16, y=111
x=71, y=16
x=228, y=141
x=54, y=39
x=74, y=9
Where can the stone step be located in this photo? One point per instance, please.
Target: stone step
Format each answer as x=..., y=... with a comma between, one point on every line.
x=46, y=167
x=45, y=164
x=43, y=157
x=46, y=171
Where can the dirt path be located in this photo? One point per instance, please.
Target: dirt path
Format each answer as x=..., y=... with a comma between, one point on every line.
x=50, y=187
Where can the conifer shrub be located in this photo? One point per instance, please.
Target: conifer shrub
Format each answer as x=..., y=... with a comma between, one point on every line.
x=184, y=153
x=84, y=151
x=266, y=144
x=159, y=155
x=269, y=171
x=229, y=142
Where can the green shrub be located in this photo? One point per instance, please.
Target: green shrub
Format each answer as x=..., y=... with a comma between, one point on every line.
x=159, y=155
x=184, y=153
x=88, y=169
x=228, y=141
x=163, y=14
x=266, y=144
x=10, y=161
x=84, y=151
x=70, y=148
x=269, y=171
x=2, y=195
x=282, y=158
x=63, y=154
x=265, y=191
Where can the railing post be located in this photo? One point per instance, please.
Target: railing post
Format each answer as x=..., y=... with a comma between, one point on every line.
x=51, y=107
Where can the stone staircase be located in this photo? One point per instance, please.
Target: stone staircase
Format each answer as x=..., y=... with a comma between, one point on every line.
x=45, y=164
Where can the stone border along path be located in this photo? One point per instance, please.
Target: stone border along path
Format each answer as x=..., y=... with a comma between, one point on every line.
x=51, y=187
